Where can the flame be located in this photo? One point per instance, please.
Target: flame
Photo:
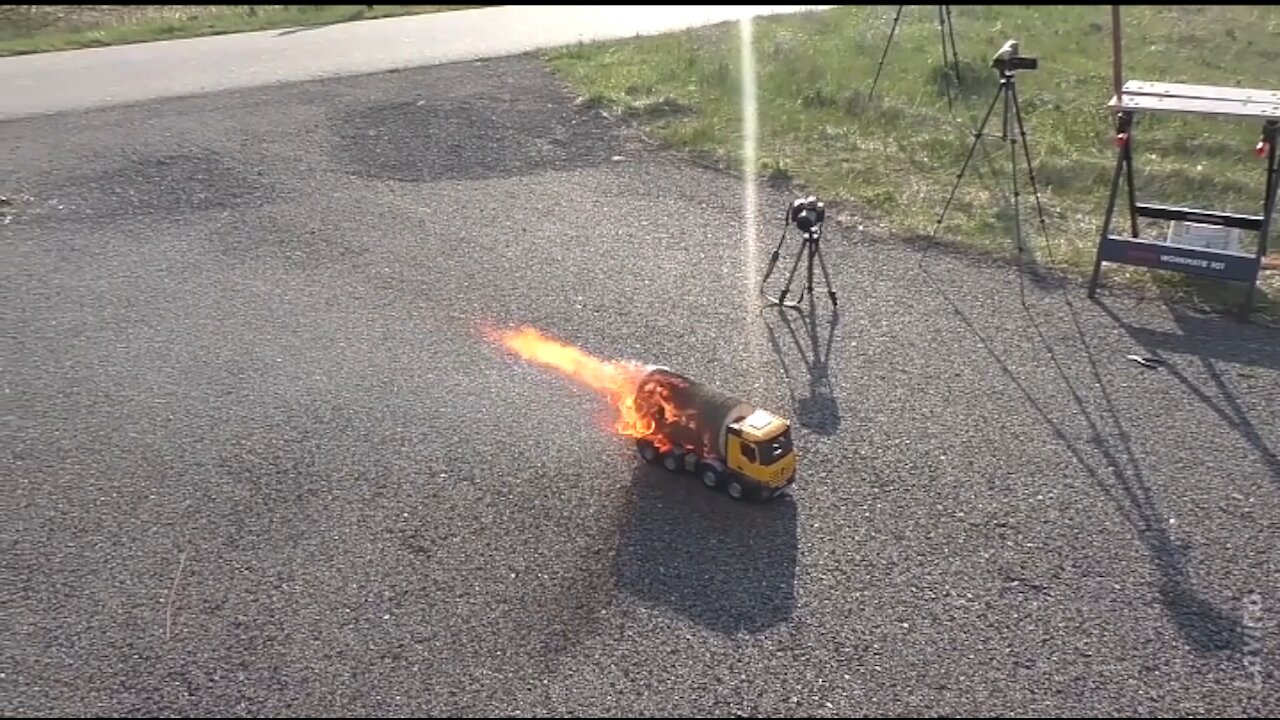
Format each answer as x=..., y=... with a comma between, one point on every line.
x=617, y=380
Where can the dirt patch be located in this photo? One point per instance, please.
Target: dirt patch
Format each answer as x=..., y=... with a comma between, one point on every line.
x=173, y=180
x=509, y=132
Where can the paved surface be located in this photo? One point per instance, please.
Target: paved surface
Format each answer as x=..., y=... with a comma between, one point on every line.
x=82, y=79
x=260, y=461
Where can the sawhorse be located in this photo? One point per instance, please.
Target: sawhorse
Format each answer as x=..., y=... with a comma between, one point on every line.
x=1225, y=265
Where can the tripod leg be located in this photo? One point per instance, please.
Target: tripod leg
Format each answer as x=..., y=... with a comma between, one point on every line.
x=826, y=277
x=1013, y=170
x=808, y=281
x=955, y=55
x=968, y=158
x=896, y=17
x=946, y=79
x=782, y=297
x=777, y=250
x=1026, y=152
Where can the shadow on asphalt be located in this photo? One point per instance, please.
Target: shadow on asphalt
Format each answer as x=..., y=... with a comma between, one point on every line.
x=817, y=410
x=1206, y=338
x=302, y=29
x=726, y=565
x=357, y=15
x=1206, y=628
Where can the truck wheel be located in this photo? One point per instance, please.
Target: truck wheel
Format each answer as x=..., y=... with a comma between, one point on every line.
x=711, y=476
x=647, y=451
x=672, y=461
x=736, y=490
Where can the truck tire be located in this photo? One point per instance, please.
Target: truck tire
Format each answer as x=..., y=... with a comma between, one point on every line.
x=673, y=461
x=736, y=489
x=711, y=476
x=647, y=451
x=711, y=473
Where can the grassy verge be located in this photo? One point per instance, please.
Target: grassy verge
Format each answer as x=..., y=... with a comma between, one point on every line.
x=894, y=158
x=41, y=28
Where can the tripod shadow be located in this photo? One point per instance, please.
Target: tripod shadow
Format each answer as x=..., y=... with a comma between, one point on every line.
x=818, y=410
x=1206, y=628
x=1207, y=340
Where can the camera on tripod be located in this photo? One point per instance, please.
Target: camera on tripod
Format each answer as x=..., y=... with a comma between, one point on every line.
x=1009, y=59
x=807, y=213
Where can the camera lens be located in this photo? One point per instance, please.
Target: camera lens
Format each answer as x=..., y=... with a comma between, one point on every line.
x=807, y=213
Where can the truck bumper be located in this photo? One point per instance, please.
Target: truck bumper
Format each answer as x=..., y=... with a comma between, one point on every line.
x=769, y=493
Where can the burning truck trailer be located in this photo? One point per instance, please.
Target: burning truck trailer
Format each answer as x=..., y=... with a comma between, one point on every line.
x=674, y=420
x=727, y=442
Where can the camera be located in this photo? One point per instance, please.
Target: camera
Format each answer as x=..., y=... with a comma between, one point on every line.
x=807, y=213
x=1009, y=59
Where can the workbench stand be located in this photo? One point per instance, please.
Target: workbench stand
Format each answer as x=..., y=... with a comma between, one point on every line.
x=1225, y=265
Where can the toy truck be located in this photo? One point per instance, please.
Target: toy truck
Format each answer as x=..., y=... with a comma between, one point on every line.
x=728, y=443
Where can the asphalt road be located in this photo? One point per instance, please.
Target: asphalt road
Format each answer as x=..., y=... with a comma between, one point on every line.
x=261, y=461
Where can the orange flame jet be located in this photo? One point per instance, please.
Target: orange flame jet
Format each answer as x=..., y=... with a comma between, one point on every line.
x=616, y=380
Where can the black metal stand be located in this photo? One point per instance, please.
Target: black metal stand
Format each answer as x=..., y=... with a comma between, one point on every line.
x=1227, y=265
x=810, y=249
x=1007, y=91
x=945, y=29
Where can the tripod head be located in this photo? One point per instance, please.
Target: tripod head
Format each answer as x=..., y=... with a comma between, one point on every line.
x=1009, y=59
x=808, y=214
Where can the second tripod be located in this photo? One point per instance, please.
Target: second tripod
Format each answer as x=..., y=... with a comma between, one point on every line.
x=950, y=65
x=807, y=214
x=1006, y=62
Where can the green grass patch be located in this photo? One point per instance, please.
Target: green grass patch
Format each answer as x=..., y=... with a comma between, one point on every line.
x=28, y=29
x=895, y=157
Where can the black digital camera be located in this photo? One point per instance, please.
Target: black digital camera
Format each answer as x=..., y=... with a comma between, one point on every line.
x=808, y=213
x=1009, y=59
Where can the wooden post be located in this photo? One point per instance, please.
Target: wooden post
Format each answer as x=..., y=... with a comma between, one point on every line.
x=1117, y=75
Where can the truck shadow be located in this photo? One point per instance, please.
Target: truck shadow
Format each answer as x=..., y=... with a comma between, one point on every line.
x=727, y=566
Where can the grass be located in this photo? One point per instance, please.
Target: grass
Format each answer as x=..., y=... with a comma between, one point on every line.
x=28, y=29
x=894, y=158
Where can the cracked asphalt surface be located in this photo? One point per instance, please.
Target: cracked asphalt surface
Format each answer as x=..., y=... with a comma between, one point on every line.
x=260, y=460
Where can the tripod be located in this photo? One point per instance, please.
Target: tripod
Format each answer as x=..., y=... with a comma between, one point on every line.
x=1012, y=113
x=808, y=215
x=945, y=28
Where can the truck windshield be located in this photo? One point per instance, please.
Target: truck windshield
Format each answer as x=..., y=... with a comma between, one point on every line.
x=771, y=451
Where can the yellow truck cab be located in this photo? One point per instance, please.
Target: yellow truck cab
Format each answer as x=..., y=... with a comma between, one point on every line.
x=761, y=450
